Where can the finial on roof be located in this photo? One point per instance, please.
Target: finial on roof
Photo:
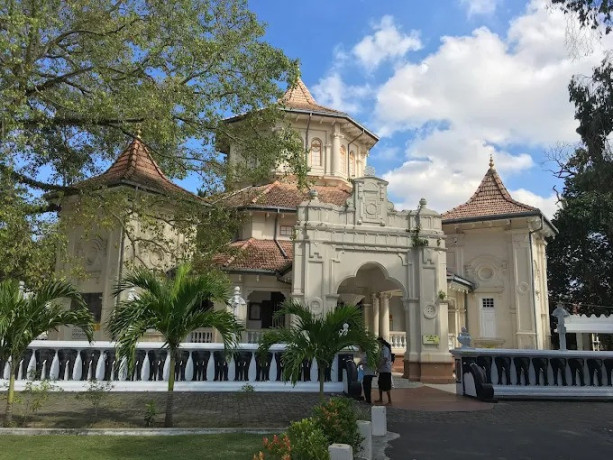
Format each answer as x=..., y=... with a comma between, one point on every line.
x=139, y=131
x=491, y=161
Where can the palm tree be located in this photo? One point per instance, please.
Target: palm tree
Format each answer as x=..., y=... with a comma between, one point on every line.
x=25, y=317
x=174, y=306
x=315, y=337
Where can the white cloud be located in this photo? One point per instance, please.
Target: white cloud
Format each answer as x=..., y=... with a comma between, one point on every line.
x=479, y=7
x=491, y=94
x=332, y=91
x=546, y=204
x=388, y=42
x=446, y=167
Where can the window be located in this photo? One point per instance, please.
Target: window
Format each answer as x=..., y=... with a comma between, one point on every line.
x=93, y=300
x=343, y=159
x=488, y=317
x=351, y=164
x=315, y=152
x=286, y=230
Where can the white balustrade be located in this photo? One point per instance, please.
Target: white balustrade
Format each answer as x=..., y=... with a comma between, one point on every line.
x=536, y=374
x=398, y=341
x=253, y=335
x=199, y=367
x=201, y=336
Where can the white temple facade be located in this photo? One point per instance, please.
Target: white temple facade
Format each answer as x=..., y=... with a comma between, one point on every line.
x=418, y=276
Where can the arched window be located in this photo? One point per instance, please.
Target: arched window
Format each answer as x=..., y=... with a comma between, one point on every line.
x=351, y=164
x=315, y=152
x=343, y=159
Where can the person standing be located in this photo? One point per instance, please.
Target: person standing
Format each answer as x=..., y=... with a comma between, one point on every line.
x=384, y=370
x=368, y=375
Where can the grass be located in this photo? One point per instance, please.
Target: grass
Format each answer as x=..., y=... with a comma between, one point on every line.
x=207, y=446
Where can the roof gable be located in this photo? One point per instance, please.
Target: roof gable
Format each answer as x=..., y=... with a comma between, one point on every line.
x=299, y=97
x=490, y=200
x=135, y=167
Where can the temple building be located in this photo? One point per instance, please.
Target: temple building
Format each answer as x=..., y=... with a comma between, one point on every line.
x=418, y=276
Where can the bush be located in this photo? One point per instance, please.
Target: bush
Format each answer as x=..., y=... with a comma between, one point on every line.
x=338, y=420
x=308, y=441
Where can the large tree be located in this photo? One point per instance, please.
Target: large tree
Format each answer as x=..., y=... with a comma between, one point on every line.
x=581, y=257
x=78, y=79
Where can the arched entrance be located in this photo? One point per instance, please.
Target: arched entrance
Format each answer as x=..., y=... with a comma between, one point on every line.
x=381, y=300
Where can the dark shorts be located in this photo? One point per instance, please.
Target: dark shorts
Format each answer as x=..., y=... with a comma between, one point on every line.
x=385, y=381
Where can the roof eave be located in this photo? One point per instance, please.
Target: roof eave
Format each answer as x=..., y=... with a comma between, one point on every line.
x=458, y=220
x=333, y=115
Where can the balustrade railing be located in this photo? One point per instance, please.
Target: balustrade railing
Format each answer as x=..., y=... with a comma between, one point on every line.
x=199, y=367
x=398, y=340
x=202, y=336
x=253, y=335
x=535, y=373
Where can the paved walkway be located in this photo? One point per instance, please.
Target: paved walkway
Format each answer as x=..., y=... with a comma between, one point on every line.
x=435, y=424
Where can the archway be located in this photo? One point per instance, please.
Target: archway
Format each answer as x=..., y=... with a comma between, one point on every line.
x=380, y=297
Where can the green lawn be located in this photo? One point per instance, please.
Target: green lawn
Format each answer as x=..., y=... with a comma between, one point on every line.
x=206, y=447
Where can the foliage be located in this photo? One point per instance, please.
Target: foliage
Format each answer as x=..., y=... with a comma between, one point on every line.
x=25, y=317
x=580, y=258
x=151, y=412
x=317, y=337
x=416, y=239
x=337, y=419
x=279, y=448
x=33, y=397
x=95, y=394
x=80, y=78
x=308, y=441
x=174, y=306
x=28, y=242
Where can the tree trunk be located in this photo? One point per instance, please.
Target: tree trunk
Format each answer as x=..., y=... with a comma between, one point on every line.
x=8, y=418
x=322, y=377
x=169, y=393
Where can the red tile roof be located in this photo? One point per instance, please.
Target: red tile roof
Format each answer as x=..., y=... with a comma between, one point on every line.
x=285, y=195
x=135, y=166
x=299, y=97
x=253, y=254
x=491, y=200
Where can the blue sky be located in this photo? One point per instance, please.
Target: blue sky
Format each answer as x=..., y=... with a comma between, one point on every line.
x=445, y=84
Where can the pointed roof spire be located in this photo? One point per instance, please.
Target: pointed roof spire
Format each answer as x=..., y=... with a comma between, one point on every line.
x=135, y=167
x=490, y=200
x=299, y=97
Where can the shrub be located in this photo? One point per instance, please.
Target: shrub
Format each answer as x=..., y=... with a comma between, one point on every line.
x=338, y=420
x=150, y=412
x=33, y=397
x=277, y=448
x=308, y=441
x=95, y=393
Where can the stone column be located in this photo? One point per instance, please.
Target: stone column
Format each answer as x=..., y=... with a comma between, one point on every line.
x=384, y=317
x=375, y=314
x=367, y=307
x=336, y=151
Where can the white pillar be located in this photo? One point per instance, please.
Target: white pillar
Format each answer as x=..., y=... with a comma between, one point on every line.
x=375, y=314
x=365, y=430
x=340, y=452
x=336, y=151
x=384, y=317
x=367, y=315
x=378, y=417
